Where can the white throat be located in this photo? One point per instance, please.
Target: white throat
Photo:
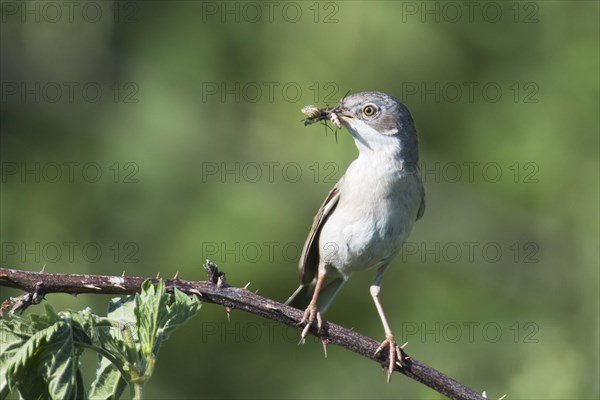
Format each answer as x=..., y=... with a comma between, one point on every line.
x=374, y=145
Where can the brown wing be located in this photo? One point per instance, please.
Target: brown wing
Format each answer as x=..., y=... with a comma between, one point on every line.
x=309, y=259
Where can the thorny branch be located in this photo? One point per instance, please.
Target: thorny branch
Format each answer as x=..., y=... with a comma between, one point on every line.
x=217, y=291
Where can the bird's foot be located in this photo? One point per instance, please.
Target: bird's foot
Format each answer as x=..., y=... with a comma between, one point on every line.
x=395, y=355
x=310, y=315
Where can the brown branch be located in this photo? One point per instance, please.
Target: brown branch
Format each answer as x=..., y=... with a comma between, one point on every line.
x=38, y=284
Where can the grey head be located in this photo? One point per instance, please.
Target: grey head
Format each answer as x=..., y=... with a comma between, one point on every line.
x=378, y=122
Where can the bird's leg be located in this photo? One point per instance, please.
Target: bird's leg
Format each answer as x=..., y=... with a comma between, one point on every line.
x=394, y=351
x=311, y=313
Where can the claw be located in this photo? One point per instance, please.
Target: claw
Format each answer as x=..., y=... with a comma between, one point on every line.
x=310, y=315
x=304, y=334
x=319, y=322
x=324, y=343
x=394, y=355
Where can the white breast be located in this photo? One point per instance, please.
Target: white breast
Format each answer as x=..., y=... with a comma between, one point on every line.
x=377, y=208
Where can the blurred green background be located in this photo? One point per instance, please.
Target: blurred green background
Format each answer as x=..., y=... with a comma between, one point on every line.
x=147, y=137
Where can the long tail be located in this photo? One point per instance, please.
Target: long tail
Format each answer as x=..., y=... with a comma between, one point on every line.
x=302, y=296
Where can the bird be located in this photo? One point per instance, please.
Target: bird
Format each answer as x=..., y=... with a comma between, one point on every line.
x=370, y=211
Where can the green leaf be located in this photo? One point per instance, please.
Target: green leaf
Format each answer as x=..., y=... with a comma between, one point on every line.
x=58, y=363
x=11, y=342
x=42, y=360
x=109, y=383
x=117, y=336
x=29, y=383
x=40, y=353
x=80, y=393
x=34, y=343
x=15, y=332
x=122, y=309
x=46, y=356
x=151, y=307
x=159, y=314
x=121, y=314
x=181, y=310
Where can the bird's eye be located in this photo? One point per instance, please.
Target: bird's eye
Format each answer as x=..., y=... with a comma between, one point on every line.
x=369, y=110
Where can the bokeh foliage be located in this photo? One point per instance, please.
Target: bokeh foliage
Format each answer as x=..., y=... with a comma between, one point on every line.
x=198, y=138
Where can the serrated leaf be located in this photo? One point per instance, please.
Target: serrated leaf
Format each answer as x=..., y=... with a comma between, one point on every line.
x=30, y=384
x=26, y=351
x=45, y=364
x=160, y=313
x=48, y=355
x=157, y=315
x=116, y=336
x=58, y=362
x=150, y=308
x=10, y=343
x=109, y=383
x=14, y=333
x=181, y=310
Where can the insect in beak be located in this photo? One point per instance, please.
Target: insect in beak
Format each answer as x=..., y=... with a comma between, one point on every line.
x=314, y=114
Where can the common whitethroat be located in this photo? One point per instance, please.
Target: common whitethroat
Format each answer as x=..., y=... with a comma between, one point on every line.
x=368, y=214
